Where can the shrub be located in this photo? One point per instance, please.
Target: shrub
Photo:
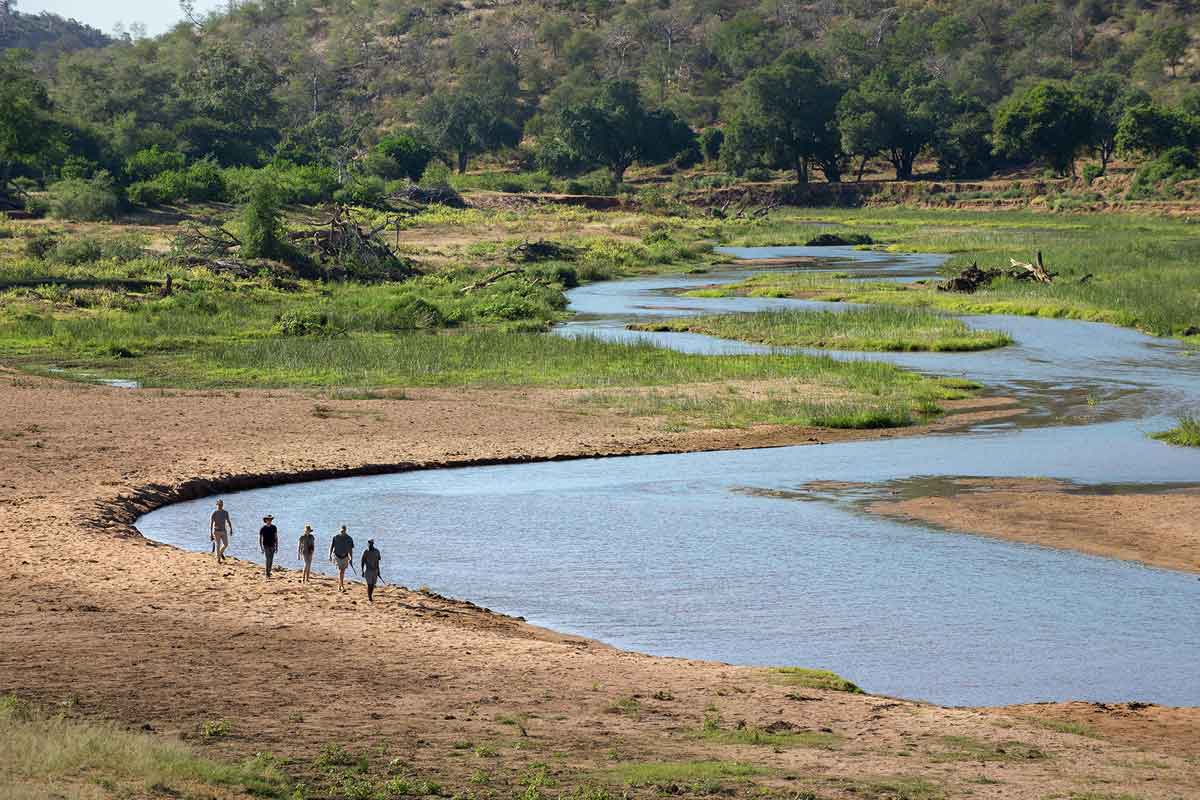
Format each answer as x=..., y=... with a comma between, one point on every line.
x=1091, y=171
x=78, y=199
x=77, y=250
x=411, y=313
x=555, y=157
x=147, y=164
x=406, y=156
x=369, y=192
x=202, y=181
x=261, y=223
x=303, y=322
x=296, y=183
x=40, y=245
x=711, y=140
x=1160, y=175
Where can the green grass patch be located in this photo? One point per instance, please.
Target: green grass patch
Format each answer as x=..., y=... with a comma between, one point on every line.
x=811, y=679
x=878, y=328
x=889, y=788
x=1141, y=267
x=758, y=736
x=1185, y=434
x=965, y=748
x=42, y=755
x=1064, y=726
x=671, y=774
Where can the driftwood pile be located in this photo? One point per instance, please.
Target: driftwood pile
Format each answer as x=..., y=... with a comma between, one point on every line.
x=426, y=195
x=343, y=247
x=347, y=248
x=972, y=279
x=743, y=209
x=541, y=250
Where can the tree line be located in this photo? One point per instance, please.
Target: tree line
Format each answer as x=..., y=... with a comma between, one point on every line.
x=353, y=91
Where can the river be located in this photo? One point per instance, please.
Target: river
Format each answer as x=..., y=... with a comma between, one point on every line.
x=725, y=556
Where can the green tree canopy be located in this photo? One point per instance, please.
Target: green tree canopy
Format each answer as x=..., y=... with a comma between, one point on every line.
x=461, y=124
x=616, y=130
x=1048, y=120
x=785, y=114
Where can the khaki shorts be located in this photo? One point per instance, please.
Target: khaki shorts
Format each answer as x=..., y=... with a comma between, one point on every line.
x=343, y=562
x=221, y=537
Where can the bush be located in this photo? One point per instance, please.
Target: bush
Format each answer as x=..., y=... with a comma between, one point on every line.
x=78, y=250
x=1159, y=176
x=711, y=140
x=555, y=157
x=304, y=322
x=145, y=165
x=261, y=223
x=1091, y=171
x=90, y=201
x=202, y=181
x=39, y=246
x=404, y=155
x=411, y=313
x=306, y=184
x=369, y=192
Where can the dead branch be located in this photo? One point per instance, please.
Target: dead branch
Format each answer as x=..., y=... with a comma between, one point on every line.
x=1037, y=269
x=499, y=276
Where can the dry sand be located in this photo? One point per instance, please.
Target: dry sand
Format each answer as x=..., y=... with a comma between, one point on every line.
x=153, y=636
x=1157, y=528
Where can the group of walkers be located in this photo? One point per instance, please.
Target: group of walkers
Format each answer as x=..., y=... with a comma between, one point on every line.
x=341, y=549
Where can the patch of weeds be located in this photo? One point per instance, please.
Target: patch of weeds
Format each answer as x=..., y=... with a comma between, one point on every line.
x=965, y=748
x=777, y=734
x=698, y=777
x=215, y=729
x=663, y=695
x=485, y=751
x=889, y=788
x=405, y=786
x=812, y=679
x=517, y=721
x=1185, y=434
x=334, y=755
x=1064, y=726
x=480, y=778
x=629, y=706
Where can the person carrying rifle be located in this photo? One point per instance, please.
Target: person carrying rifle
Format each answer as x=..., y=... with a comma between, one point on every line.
x=370, y=569
x=341, y=552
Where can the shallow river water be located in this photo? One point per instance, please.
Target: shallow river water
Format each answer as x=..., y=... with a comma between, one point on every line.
x=716, y=555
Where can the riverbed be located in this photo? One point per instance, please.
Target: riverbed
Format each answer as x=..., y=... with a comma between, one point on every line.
x=725, y=556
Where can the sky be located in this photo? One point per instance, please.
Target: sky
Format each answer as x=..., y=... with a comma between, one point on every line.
x=157, y=15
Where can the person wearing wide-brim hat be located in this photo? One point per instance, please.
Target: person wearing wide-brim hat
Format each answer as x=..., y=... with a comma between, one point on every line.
x=268, y=541
x=306, y=549
x=370, y=569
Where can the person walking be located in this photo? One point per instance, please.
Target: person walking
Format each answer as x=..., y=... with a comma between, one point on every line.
x=220, y=528
x=341, y=552
x=306, y=549
x=268, y=541
x=370, y=569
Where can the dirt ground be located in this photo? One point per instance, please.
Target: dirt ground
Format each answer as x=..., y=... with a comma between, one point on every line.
x=1157, y=528
x=162, y=639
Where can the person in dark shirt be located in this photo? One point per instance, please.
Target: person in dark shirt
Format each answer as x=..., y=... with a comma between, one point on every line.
x=341, y=552
x=268, y=541
x=370, y=569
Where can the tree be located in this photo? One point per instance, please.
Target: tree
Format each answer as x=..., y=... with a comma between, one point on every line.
x=785, y=113
x=1047, y=121
x=26, y=126
x=895, y=114
x=616, y=131
x=1151, y=129
x=461, y=124
x=1109, y=97
x=1172, y=42
x=711, y=141
x=409, y=153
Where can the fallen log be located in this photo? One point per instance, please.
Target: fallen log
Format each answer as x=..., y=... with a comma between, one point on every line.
x=1036, y=269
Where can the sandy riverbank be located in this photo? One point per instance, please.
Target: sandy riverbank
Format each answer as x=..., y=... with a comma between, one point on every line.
x=149, y=635
x=1156, y=528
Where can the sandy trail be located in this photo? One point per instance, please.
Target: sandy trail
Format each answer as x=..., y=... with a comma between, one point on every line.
x=150, y=635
